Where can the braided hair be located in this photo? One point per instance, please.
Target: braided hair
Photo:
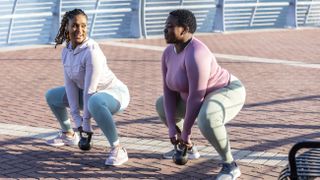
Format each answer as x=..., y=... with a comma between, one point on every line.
x=63, y=34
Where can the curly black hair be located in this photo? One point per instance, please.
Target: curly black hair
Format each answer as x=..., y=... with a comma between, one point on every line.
x=63, y=33
x=186, y=19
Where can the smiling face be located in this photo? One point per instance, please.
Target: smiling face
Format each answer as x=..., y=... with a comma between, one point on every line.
x=173, y=33
x=77, y=29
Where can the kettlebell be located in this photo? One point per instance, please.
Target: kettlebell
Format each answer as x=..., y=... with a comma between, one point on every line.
x=85, y=140
x=180, y=156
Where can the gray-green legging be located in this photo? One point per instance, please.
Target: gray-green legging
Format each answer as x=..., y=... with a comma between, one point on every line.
x=218, y=108
x=102, y=105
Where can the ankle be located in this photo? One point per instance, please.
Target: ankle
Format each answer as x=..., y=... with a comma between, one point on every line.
x=190, y=146
x=69, y=133
x=118, y=146
x=230, y=162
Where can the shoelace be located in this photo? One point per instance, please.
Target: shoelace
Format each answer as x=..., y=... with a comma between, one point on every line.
x=113, y=152
x=60, y=135
x=225, y=168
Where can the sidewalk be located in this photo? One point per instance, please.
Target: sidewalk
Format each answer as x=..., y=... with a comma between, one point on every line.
x=280, y=70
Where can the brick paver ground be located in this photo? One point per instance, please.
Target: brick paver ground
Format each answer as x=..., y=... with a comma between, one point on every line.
x=282, y=107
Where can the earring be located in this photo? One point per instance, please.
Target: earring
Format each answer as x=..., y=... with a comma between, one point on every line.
x=66, y=34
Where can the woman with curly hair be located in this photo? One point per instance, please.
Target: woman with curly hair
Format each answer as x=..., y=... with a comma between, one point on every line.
x=89, y=85
x=196, y=87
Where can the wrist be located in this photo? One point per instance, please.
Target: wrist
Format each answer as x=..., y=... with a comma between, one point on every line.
x=186, y=137
x=77, y=122
x=86, y=125
x=172, y=132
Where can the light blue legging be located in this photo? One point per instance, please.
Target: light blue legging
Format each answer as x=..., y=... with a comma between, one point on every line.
x=218, y=108
x=101, y=105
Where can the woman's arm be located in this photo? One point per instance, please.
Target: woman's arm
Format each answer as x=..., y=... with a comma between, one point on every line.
x=94, y=68
x=198, y=67
x=73, y=99
x=170, y=101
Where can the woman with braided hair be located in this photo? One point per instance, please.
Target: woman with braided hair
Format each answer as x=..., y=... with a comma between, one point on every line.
x=88, y=85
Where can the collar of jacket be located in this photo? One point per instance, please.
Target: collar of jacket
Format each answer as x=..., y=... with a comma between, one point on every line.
x=79, y=48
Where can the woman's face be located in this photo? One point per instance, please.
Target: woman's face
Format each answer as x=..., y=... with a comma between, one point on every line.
x=77, y=29
x=172, y=31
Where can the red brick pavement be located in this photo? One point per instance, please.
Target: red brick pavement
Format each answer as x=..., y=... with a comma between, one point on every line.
x=296, y=45
x=31, y=158
x=282, y=107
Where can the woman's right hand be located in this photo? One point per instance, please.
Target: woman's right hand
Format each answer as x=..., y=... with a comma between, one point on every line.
x=175, y=135
x=174, y=140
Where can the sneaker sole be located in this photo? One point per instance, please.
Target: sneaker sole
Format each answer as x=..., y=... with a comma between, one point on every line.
x=166, y=157
x=193, y=156
x=117, y=164
x=238, y=174
x=60, y=145
x=232, y=176
x=65, y=144
x=55, y=145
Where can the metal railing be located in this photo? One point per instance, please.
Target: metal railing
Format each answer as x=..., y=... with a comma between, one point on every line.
x=37, y=21
x=155, y=12
x=258, y=14
x=18, y=25
x=308, y=12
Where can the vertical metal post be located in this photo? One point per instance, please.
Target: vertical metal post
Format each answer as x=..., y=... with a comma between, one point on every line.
x=59, y=12
x=139, y=11
x=56, y=20
x=11, y=21
x=94, y=16
x=307, y=14
x=219, y=24
x=253, y=14
x=292, y=15
x=142, y=18
x=135, y=22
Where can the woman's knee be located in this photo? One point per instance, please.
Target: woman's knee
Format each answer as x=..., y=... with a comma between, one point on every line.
x=103, y=101
x=159, y=105
x=202, y=121
x=160, y=109
x=94, y=103
x=52, y=95
x=210, y=119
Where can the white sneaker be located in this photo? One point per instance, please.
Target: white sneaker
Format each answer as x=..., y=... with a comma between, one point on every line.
x=229, y=172
x=63, y=140
x=117, y=156
x=193, y=153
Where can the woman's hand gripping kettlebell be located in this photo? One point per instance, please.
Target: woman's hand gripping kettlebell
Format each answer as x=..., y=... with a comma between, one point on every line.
x=180, y=155
x=85, y=139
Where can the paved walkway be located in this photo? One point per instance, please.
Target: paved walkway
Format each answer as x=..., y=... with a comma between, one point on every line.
x=280, y=70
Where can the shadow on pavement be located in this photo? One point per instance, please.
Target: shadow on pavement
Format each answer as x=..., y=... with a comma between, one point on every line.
x=31, y=158
x=279, y=101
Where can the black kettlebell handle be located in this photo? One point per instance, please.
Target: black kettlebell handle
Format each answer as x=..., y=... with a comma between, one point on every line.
x=85, y=142
x=88, y=133
x=184, y=148
x=180, y=156
x=82, y=131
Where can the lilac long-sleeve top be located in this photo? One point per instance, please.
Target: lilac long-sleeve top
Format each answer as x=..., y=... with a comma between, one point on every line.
x=190, y=74
x=85, y=68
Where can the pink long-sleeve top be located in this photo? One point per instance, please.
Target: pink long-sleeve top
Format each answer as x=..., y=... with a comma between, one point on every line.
x=85, y=68
x=190, y=74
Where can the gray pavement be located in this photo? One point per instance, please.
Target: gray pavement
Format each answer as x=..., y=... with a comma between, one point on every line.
x=280, y=70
